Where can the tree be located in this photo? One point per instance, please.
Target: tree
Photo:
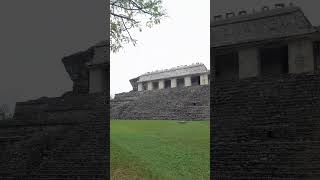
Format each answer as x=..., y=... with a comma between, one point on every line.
x=127, y=15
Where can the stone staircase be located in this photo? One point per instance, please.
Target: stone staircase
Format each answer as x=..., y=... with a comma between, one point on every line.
x=177, y=103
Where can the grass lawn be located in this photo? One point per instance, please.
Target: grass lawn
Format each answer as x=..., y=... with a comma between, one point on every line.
x=151, y=149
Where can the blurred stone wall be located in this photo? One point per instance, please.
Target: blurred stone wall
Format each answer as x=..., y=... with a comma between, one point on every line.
x=57, y=138
x=266, y=128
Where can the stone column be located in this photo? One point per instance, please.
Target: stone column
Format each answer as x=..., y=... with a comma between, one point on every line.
x=98, y=69
x=204, y=79
x=150, y=86
x=140, y=87
x=248, y=62
x=173, y=83
x=97, y=80
x=187, y=81
x=300, y=55
x=161, y=84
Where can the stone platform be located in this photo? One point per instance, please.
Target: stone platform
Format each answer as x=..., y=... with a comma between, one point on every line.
x=57, y=138
x=189, y=103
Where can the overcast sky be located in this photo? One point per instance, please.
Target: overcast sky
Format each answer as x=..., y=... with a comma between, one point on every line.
x=35, y=35
x=181, y=39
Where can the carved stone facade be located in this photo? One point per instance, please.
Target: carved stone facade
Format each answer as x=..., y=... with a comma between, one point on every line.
x=77, y=70
x=267, y=43
x=267, y=24
x=87, y=69
x=182, y=76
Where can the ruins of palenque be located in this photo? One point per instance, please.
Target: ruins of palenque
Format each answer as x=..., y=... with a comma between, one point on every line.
x=182, y=76
x=62, y=137
x=177, y=93
x=266, y=95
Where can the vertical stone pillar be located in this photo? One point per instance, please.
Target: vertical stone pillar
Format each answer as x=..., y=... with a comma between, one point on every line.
x=187, y=81
x=204, y=79
x=161, y=84
x=173, y=83
x=140, y=87
x=300, y=55
x=97, y=80
x=248, y=62
x=98, y=69
x=150, y=86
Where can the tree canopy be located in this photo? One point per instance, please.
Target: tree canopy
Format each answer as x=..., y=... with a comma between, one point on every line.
x=127, y=15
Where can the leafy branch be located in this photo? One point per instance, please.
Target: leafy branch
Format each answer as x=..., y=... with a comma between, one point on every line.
x=127, y=15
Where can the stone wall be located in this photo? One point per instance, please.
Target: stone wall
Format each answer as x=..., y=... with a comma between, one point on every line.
x=266, y=128
x=173, y=103
x=75, y=65
x=57, y=138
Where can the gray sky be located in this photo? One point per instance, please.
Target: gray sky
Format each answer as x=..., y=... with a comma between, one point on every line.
x=35, y=35
x=181, y=39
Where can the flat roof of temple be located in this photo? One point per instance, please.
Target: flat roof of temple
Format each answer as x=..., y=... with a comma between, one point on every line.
x=266, y=24
x=179, y=71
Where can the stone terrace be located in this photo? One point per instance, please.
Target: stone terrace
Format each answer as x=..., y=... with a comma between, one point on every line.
x=64, y=144
x=174, y=103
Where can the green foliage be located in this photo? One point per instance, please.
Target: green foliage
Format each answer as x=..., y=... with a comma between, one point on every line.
x=160, y=149
x=126, y=15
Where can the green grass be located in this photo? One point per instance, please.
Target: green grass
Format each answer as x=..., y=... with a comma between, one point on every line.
x=151, y=149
